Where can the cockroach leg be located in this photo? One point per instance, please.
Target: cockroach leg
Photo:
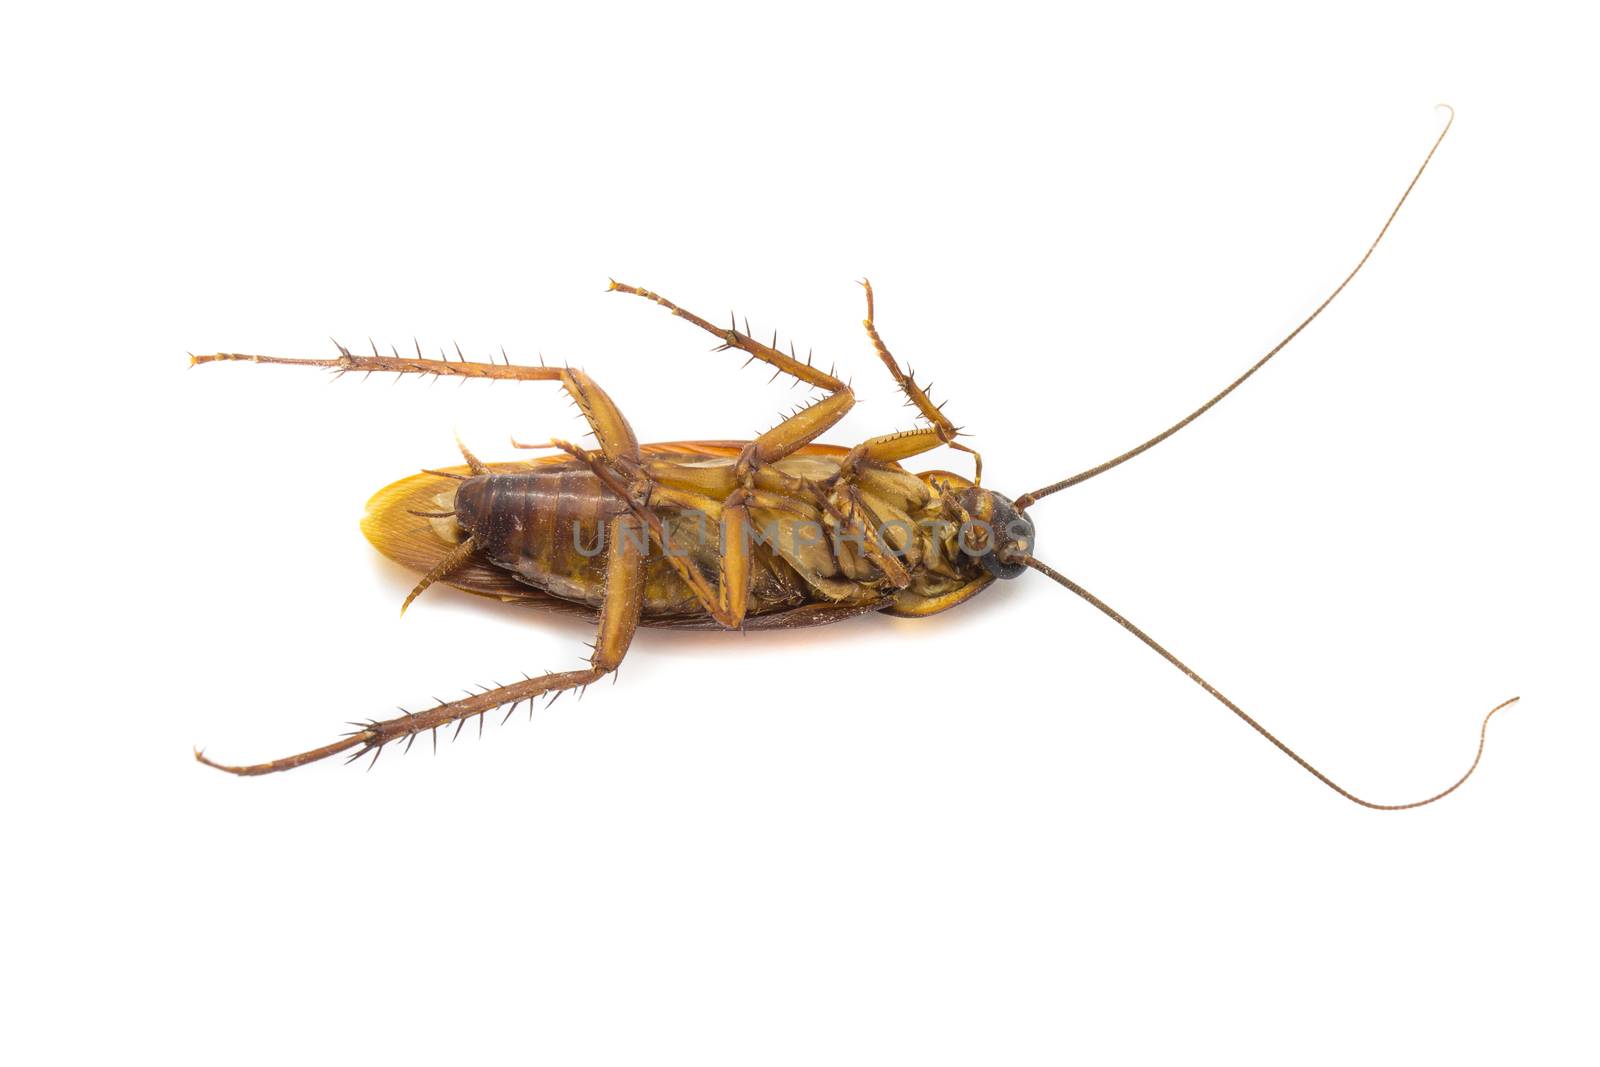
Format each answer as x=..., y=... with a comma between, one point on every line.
x=619, y=618
x=734, y=562
x=894, y=447
x=794, y=432
x=726, y=604
x=861, y=517
x=733, y=338
x=616, y=437
x=945, y=430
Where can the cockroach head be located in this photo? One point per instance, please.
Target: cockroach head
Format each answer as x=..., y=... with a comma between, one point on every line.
x=993, y=531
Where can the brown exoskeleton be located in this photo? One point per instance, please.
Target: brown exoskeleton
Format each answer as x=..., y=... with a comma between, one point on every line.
x=779, y=531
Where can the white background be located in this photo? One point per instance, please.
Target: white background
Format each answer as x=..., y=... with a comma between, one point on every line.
x=1006, y=835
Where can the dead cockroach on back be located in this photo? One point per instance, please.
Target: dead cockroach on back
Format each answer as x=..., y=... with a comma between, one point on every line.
x=779, y=531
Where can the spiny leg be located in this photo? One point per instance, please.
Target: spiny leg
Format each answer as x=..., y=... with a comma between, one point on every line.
x=754, y=471
x=791, y=434
x=756, y=467
x=892, y=448
x=726, y=604
x=619, y=618
x=611, y=430
x=942, y=430
x=732, y=338
x=794, y=432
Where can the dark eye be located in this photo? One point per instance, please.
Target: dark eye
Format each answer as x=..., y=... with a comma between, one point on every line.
x=1000, y=568
x=1013, y=539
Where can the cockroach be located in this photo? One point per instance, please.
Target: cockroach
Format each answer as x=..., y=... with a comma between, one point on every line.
x=775, y=532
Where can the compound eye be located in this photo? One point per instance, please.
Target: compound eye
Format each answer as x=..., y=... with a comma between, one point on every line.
x=1002, y=564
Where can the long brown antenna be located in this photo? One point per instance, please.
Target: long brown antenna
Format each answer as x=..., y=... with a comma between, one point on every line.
x=1483, y=730
x=1026, y=499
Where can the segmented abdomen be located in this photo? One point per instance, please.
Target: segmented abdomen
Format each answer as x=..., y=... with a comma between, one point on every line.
x=546, y=526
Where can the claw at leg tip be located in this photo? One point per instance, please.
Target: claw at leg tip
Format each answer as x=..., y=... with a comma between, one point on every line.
x=200, y=757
